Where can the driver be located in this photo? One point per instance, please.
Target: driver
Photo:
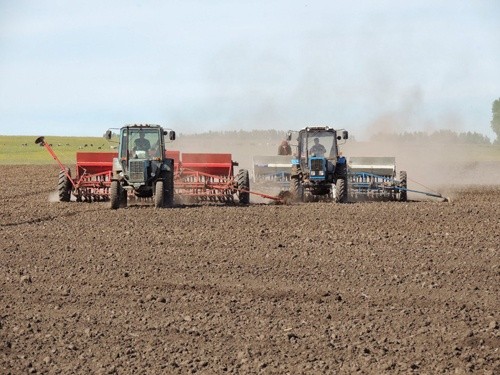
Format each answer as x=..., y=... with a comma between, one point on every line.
x=318, y=149
x=141, y=143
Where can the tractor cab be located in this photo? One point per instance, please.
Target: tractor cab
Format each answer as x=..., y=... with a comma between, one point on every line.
x=142, y=166
x=317, y=164
x=317, y=151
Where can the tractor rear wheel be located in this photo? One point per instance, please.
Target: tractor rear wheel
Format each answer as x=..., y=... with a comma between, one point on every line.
x=403, y=184
x=341, y=195
x=243, y=182
x=123, y=198
x=169, y=192
x=115, y=194
x=159, y=194
x=296, y=190
x=64, y=186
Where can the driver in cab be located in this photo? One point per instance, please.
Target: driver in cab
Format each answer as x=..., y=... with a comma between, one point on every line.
x=141, y=143
x=318, y=149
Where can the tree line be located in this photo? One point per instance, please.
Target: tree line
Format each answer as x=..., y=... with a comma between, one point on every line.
x=495, y=121
x=438, y=136
x=271, y=135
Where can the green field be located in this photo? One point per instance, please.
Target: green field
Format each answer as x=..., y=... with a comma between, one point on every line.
x=23, y=150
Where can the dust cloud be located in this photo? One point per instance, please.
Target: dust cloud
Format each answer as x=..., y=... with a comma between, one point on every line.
x=53, y=197
x=435, y=165
x=432, y=167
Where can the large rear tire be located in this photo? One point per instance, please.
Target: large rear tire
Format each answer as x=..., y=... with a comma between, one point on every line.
x=403, y=184
x=243, y=181
x=296, y=190
x=123, y=198
x=64, y=186
x=115, y=192
x=169, y=192
x=341, y=195
x=159, y=194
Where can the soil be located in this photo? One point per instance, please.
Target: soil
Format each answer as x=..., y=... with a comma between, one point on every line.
x=370, y=288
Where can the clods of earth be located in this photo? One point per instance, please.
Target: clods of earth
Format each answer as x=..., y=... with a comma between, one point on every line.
x=315, y=288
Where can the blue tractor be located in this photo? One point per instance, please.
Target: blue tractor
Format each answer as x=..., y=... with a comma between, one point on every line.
x=319, y=172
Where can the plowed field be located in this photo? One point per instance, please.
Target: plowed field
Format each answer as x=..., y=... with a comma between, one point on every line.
x=315, y=288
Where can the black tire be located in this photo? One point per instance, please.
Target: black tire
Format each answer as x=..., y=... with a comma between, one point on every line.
x=296, y=189
x=159, y=194
x=115, y=192
x=169, y=192
x=403, y=183
x=243, y=181
x=341, y=194
x=64, y=186
x=123, y=198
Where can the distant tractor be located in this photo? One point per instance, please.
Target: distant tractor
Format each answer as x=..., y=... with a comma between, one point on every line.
x=318, y=170
x=142, y=167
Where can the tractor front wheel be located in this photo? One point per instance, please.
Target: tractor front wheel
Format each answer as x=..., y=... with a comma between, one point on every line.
x=64, y=186
x=159, y=194
x=115, y=194
x=243, y=182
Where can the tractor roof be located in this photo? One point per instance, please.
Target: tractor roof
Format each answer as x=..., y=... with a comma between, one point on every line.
x=139, y=126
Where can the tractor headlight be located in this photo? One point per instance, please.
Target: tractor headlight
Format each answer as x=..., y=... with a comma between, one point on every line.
x=321, y=173
x=313, y=173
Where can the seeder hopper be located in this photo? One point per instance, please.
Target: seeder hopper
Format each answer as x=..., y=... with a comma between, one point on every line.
x=205, y=177
x=272, y=171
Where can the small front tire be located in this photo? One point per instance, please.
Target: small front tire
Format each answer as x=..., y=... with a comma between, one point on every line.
x=159, y=194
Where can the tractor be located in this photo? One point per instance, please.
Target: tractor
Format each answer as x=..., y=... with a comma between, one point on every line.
x=142, y=167
x=318, y=169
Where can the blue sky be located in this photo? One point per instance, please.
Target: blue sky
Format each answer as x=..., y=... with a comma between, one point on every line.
x=80, y=67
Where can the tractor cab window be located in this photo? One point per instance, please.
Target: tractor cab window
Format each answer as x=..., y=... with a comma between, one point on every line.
x=143, y=143
x=321, y=144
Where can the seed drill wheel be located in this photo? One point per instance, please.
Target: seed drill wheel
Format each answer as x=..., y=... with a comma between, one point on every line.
x=64, y=186
x=115, y=194
x=160, y=194
x=403, y=183
x=341, y=195
x=243, y=181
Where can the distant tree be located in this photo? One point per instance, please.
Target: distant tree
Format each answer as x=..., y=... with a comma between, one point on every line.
x=495, y=122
